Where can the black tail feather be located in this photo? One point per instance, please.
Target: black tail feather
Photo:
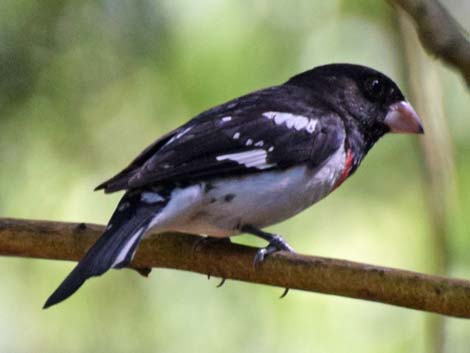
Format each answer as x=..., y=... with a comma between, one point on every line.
x=100, y=258
x=114, y=249
x=69, y=286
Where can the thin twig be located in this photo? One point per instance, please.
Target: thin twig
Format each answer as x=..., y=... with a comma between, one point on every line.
x=439, y=33
x=69, y=241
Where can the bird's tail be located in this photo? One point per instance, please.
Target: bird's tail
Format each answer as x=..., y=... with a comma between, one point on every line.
x=116, y=247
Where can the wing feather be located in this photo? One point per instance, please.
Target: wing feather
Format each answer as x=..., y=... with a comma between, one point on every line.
x=267, y=130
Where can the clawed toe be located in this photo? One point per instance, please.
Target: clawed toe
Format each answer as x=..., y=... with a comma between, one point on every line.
x=260, y=255
x=286, y=290
x=277, y=243
x=204, y=241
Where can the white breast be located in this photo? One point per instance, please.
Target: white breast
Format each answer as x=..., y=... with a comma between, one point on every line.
x=262, y=199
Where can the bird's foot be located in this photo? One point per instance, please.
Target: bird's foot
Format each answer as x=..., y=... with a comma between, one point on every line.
x=205, y=241
x=222, y=281
x=201, y=243
x=277, y=243
x=286, y=290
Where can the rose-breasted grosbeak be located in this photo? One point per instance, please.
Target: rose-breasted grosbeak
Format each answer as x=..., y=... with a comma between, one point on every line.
x=249, y=163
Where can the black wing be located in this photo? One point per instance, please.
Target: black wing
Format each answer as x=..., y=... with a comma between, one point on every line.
x=271, y=129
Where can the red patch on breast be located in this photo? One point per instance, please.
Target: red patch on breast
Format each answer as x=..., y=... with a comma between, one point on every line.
x=348, y=164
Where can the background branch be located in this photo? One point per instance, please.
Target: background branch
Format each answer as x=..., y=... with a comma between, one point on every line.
x=439, y=175
x=439, y=33
x=69, y=241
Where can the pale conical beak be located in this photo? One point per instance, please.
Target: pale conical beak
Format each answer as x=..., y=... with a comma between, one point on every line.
x=402, y=118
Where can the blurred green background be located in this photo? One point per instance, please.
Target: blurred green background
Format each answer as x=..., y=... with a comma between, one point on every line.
x=85, y=85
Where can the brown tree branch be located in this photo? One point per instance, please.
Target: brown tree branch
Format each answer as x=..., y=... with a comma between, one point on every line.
x=69, y=241
x=439, y=33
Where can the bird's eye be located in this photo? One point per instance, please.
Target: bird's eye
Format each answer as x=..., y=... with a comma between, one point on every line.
x=374, y=88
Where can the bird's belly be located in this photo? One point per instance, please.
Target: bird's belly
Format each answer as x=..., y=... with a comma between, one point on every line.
x=262, y=199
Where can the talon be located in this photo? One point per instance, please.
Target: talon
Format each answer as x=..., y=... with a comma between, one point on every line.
x=259, y=257
x=286, y=290
x=221, y=283
x=198, y=244
x=280, y=244
x=208, y=276
x=276, y=244
x=203, y=241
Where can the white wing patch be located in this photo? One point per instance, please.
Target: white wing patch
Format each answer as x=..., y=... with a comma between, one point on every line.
x=151, y=197
x=311, y=126
x=279, y=119
x=177, y=136
x=256, y=158
x=184, y=132
x=270, y=115
x=292, y=121
x=300, y=122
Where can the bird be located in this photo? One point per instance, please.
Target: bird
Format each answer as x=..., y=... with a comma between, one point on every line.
x=249, y=163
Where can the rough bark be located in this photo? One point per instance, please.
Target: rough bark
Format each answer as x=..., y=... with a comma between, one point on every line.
x=69, y=241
